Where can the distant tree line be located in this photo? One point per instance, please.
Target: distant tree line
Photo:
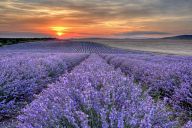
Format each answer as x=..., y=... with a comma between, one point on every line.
x=10, y=41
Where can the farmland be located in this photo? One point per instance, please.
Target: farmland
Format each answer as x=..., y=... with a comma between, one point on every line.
x=79, y=84
x=166, y=46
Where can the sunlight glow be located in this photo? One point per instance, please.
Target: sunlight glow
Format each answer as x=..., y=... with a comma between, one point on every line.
x=60, y=33
x=59, y=30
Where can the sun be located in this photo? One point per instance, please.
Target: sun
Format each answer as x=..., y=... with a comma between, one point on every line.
x=59, y=30
x=60, y=33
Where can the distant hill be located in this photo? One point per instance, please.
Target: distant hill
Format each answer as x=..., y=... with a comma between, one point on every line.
x=180, y=37
x=10, y=41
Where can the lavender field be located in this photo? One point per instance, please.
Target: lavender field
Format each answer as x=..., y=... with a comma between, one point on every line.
x=67, y=84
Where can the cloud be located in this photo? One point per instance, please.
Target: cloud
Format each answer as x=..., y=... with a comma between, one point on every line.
x=98, y=9
x=114, y=16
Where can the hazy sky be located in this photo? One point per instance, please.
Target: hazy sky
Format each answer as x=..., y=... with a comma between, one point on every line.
x=92, y=18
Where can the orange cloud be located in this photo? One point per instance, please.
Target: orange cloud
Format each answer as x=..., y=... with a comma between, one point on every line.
x=94, y=18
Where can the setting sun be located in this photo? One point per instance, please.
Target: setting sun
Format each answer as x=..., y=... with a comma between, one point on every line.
x=60, y=33
x=59, y=30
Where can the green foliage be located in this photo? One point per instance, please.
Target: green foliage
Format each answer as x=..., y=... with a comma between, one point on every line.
x=94, y=119
x=64, y=122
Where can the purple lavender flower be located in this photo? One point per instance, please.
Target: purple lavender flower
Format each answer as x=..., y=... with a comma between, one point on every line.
x=94, y=94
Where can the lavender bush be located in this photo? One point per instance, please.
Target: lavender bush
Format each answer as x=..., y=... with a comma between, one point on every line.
x=165, y=76
x=25, y=75
x=95, y=95
x=188, y=125
x=137, y=89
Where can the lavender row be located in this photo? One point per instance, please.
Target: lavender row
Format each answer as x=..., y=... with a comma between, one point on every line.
x=61, y=46
x=12, y=56
x=95, y=95
x=165, y=76
x=157, y=58
x=25, y=75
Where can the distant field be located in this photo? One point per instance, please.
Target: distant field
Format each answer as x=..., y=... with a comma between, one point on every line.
x=180, y=47
x=57, y=81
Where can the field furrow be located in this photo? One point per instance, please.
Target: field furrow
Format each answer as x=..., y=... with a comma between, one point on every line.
x=95, y=95
x=23, y=76
x=163, y=76
x=74, y=84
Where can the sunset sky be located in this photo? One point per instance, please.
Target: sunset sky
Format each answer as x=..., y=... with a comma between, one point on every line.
x=95, y=18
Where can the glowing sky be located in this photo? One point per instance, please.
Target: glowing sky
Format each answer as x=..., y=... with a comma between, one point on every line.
x=95, y=18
